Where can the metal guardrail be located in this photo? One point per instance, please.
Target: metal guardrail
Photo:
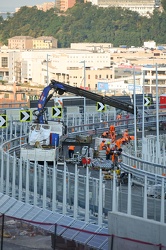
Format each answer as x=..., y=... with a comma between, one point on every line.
x=139, y=168
x=10, y=170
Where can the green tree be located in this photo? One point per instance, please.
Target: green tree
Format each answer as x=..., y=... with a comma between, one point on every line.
x=163, y=3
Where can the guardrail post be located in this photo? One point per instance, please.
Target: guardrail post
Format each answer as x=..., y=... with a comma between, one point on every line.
x=76, y=193
x=2, y=231
x=7, y=174
x=114, y=194
x=35, y=185
x=20, y=179
x=27, y=182
x=2, y=171
x=54, y=190
x=64, y=190
x=100, y=201
x=14, y=176
x=162, y=201
x=44, y=185
x=145, y=198
x=129, y=195
x=87, y=195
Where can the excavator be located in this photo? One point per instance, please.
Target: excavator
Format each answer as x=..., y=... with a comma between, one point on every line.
x=61, y=88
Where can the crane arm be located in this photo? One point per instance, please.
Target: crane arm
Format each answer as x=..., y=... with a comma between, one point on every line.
x=60, y=88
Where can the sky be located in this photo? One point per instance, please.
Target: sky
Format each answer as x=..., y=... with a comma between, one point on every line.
x=10, y=5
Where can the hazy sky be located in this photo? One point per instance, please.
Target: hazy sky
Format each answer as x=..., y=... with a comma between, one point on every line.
x=10, y=5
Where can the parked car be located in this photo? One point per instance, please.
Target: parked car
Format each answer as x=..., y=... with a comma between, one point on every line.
x=155, y=191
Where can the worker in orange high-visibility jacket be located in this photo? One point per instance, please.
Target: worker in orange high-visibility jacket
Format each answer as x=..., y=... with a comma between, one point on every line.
x=112, y=134
x=102, y=145
x=126, y=135
x=119, y=117
x=71, y=150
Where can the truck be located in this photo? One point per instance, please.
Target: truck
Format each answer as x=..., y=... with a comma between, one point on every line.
x=43, y=142
x=44, y=136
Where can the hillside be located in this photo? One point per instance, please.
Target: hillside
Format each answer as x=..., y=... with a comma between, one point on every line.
x=86, y=23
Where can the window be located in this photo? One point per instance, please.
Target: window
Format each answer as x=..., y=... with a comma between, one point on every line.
x=88, y=76
x=6, y=96
x=4, y=62
x=96, y=76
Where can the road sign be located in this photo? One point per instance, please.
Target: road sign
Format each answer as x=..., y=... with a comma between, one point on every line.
x=101, y=107
x=147, y=101
x=25, y=115
x=57, y=112
x=3, y=121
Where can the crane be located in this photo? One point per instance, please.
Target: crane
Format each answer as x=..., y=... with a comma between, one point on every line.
x=61, y=88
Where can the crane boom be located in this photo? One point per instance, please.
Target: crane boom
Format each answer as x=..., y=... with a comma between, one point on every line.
x=61, y=88
x=93, y=96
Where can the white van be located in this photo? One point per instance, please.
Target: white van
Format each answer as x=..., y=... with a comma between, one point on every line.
x=155, y=191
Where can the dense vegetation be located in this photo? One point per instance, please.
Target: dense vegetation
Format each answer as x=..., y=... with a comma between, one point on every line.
x=86, y=23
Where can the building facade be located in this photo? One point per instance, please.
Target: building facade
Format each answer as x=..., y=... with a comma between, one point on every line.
x=27, y=42
x=143, y=7
x=63, y=5
x=20, y=42
x=44, y=42
x=113, y=68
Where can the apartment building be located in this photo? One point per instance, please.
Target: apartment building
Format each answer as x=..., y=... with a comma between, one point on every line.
x=92, y=76
x=94, y=47
x=143, y=7
x=114, y=67
x=20, y=42
x=4, y=64
x=45, y=42
x=28, y=42
x=63, y=5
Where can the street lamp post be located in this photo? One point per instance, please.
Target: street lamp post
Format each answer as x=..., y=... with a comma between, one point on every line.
x=84, y=75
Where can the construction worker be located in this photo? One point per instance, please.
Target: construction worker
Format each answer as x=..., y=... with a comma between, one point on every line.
x=126, y=135
x=112, y=134
x=108, y=151
x=105, y=134
x=102, y=145
x=118, y=143
x=115, y=153
x=119, y=117
x=71, y=150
